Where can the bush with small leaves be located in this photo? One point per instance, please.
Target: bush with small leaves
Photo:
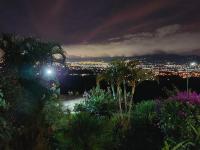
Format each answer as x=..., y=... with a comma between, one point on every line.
x=54, y=122
x=84, y=131
x=99, y=102
x=144, y=132
x=176, y=119
x=145, y=112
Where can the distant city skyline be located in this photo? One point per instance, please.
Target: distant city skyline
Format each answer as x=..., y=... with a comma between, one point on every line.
x=97, y=28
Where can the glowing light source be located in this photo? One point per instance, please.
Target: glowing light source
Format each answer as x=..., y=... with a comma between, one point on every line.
x=49, y=71
x=192, y=64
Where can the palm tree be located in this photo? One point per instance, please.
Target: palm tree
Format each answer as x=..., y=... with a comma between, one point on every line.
x=109, y=77
x=117, y=69
x=123, y=73
x=135, y=76
x=113, y=75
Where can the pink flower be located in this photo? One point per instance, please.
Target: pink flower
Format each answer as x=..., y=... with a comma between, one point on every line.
x=191, y=97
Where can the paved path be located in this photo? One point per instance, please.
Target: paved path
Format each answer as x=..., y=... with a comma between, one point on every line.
x=71, y=103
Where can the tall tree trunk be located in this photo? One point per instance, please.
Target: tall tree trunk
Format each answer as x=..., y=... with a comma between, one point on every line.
x=113, y=90
x=97, y=83
x=131, y=100
x=125, y=95
x=119, y=99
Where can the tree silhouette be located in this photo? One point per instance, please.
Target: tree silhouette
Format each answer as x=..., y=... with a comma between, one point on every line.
x=22, y=88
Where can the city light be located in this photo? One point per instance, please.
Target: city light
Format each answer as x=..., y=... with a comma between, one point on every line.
x=193, y=64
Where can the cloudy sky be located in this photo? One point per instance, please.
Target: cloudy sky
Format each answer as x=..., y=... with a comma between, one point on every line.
x=108, y=27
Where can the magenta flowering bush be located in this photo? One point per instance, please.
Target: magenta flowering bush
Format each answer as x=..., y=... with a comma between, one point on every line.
x=191, y=97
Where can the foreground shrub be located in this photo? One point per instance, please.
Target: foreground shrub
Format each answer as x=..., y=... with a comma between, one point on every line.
x=144, y=132
x=53, y=111
x=179, y=146
x=5, y=127
x=99, y=103
x=53, y=125
x=85, y=132
x=145, y=113
x=176, y=120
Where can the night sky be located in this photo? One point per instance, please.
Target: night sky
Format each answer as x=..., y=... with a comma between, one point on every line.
x=107, y=27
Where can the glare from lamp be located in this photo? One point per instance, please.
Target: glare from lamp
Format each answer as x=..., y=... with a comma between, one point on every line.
x=49, y=71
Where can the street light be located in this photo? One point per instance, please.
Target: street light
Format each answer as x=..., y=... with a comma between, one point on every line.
x=49, y=72
x=192, y=64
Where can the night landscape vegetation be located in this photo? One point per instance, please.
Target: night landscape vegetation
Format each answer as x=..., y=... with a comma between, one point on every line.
x=99, y=75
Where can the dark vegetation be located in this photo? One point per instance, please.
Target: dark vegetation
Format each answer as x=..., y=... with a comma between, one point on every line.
x=152, y=89
x=113, y=118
